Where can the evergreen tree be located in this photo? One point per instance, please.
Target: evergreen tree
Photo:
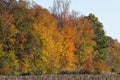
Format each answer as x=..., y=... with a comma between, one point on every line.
x=102, y=44
x=100, y=38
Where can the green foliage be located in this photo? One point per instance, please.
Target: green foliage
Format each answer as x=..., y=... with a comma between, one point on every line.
x=100, y=38
x=102, y=42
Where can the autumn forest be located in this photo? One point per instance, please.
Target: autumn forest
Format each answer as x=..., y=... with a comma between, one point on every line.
x=35, y=40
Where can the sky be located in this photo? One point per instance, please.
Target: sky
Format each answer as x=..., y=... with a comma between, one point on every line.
x=107, y=11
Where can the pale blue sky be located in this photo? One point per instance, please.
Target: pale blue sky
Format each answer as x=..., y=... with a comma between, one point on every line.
x=108, y=12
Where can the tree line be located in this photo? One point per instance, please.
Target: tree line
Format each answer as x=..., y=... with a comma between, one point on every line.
x=34, y=40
